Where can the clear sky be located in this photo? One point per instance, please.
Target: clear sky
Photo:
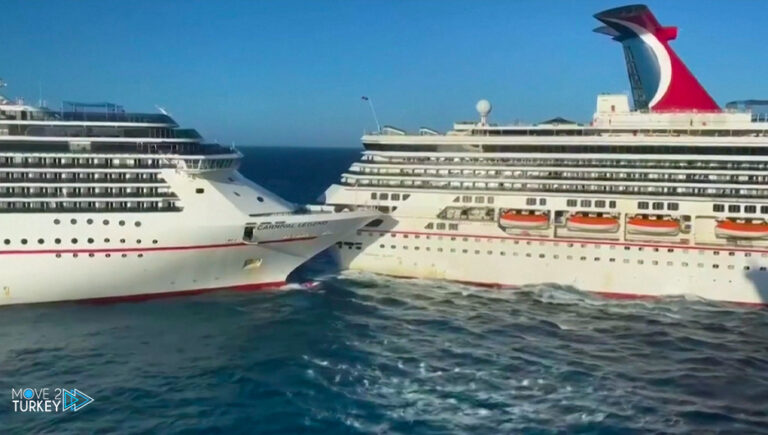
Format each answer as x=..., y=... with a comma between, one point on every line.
x=292, y=72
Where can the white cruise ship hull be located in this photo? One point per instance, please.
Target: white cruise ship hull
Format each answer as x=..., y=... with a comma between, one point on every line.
x=483, y=254
x=189, y=259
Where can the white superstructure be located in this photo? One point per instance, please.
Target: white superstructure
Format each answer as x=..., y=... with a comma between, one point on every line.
x=97, y=203
x=668, y=199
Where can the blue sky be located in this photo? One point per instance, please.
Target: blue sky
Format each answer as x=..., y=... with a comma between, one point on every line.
x=292, y=72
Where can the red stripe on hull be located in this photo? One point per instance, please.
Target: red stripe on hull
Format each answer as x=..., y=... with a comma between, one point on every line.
x=607, y=295
x=149, y=296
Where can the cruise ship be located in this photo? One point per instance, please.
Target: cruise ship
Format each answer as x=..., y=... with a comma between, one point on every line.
x=97, y=203
x=667, y=196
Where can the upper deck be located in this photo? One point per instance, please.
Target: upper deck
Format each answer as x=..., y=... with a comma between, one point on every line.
x=612, y=124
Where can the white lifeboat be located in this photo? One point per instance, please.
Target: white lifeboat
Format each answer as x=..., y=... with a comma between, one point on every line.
x=598, y=224
x=526, y=221
x=655, y=226
x=741, y=230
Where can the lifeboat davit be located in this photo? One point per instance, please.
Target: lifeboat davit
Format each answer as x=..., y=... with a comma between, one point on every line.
x=641, y=225
x=599, y=224
x=525, y=221
x=742, y=230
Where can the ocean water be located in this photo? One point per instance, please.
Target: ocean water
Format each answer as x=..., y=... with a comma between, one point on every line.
x=361, y=353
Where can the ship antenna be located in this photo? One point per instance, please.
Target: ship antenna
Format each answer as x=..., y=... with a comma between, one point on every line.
x=373, y=112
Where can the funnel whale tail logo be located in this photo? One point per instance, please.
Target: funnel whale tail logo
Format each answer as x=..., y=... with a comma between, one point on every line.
x=660, y=80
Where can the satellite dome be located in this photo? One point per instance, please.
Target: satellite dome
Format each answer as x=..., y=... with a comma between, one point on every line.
x=483, y=107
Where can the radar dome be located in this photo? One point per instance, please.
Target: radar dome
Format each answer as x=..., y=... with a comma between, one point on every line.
x=483, y=107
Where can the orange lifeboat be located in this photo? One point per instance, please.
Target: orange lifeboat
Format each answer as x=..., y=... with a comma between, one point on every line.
x=598, y=224
x=655, y=226
x=741, y=230
x=530, y=221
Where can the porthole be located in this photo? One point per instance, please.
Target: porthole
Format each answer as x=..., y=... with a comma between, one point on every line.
x=89, y=221
x=90, y=240
x=105, y=221
x=91, y=254
x=40, y=241
x=57, y=241
x=107, y=255
x=106, y=240
x=138, y=241
x=137, y=223
x=154, y=242
x=74, y=255
x=260, y=199
x=73, y=221
x=140, y=255
x=56, y=221
x=124, y=255
x=121, y=223
x=122, y=240
x=7, y=241
x=74, y=241
x=58, y=255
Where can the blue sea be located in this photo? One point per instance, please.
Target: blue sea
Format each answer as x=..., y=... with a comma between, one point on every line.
x=362, y=353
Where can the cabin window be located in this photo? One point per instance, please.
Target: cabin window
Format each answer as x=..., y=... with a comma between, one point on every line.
x=673, y=206
x=199, y=190
x=718, y=208
x=466, y=198
x=373, y=195
x=530, y=201
x=764, y=209
x=642, y=205
x=612, y=204
x=586, y=203
x=429, y=226
x=406, y=196
x=542, y=201
x=479, y=199
x=750, y=209
x=734, y=208
x=395, y=197
x=600, y=203
x=453, y=227
x=658, y=206
x=384, y=196
x=571, y=203
x=441, y=226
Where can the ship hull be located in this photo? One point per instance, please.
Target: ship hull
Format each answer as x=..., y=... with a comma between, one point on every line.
x=613, y=268
x=165, y=257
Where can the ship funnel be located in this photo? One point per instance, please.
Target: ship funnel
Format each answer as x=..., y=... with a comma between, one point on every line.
x=660, y=81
